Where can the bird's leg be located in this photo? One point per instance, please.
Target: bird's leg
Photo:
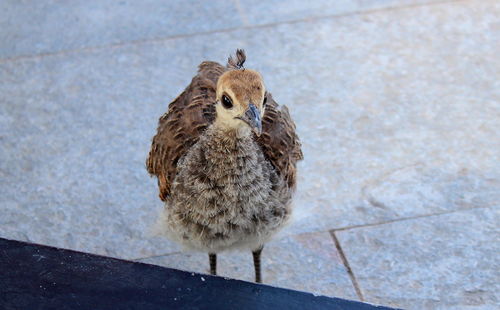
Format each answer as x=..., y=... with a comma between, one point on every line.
x=256, y=263
x=213, y=263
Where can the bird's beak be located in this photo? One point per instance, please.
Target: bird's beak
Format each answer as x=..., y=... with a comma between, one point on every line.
x=252, y=118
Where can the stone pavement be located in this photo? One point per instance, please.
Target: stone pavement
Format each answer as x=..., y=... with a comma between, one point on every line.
x=397, y=103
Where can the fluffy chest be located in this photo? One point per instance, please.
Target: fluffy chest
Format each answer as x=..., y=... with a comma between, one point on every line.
x=220, y=172
x=226, y=194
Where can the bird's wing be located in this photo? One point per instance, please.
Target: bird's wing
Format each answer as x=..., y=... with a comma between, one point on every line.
x=178, y=129
x=278, y=140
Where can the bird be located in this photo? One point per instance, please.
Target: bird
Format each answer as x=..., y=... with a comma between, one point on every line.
x=225, y=157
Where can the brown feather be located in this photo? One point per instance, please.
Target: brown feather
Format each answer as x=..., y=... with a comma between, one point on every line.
x=178, y=129
x=279, y=142
x=237, y=63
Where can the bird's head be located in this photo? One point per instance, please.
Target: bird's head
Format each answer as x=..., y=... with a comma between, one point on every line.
x=241, y=97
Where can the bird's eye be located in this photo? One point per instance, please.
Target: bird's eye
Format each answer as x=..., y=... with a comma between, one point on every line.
x=226, y=102
x=265, y=101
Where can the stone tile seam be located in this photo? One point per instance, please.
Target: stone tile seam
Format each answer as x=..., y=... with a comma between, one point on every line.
x=222, y=30
x=342, y=228
x=409, y=218
x=159, y=255
x=348, y=268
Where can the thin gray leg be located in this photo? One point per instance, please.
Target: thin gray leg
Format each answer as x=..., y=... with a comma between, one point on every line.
x=213, y=263
x=256, y=263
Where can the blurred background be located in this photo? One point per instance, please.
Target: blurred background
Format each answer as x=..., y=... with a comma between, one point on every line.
x=397, y=104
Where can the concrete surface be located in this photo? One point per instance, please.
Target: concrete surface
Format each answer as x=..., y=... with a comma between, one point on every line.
x=397, y=104
x=447, y=261
x=292, y=262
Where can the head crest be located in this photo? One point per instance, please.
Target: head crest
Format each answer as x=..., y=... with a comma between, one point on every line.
x=237, y=63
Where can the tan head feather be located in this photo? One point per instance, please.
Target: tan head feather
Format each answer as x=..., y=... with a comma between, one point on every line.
x=236, y=91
